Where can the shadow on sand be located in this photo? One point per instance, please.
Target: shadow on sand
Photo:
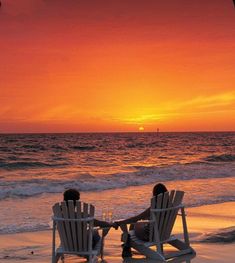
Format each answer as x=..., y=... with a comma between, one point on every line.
x=181, y=259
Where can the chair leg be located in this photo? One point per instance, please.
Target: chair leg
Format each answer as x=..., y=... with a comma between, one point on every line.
x=58, y=256
x=185, y=229
x=53, y=243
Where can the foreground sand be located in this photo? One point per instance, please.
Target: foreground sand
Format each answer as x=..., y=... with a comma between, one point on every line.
x=36, y=247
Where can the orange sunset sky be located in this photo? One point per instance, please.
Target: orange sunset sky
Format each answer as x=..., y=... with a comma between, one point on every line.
x=105, y=65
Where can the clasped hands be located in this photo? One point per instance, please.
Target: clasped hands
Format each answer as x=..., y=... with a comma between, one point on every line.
x=115, y=225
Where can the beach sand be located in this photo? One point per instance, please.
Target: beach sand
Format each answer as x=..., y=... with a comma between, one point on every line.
x=36, y=246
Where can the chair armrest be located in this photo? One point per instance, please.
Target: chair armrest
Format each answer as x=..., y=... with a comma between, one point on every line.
x=124, y=227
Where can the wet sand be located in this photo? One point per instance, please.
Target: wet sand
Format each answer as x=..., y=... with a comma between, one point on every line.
x=36, y=246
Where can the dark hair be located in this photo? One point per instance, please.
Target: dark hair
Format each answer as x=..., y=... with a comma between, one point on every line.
x=159, y=189
x=71, y=194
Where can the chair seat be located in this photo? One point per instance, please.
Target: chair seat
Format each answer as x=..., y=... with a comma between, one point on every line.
x=146, y=243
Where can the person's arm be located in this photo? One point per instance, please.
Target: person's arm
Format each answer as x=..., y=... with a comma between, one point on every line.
x=142, y=216
x=102, y=224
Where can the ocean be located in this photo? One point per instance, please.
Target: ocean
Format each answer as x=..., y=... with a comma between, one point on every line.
x=114, y=171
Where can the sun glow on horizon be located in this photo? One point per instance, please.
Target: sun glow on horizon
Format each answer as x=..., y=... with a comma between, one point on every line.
x=117, y=70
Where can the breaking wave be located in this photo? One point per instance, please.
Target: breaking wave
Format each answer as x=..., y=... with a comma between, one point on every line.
x=141, y=175
x=12, y=229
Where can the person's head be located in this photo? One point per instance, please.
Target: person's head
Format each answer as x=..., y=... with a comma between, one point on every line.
x=159, y=189
x=71, y=194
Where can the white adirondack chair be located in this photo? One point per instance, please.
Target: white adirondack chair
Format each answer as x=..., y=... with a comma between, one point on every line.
x=164, y=210
x=75, y=225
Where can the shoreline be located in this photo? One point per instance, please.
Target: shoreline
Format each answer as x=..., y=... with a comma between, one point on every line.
x=36, y=246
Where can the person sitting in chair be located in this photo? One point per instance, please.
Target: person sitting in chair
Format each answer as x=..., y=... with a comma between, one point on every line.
x=141, y=229
x=74, y=195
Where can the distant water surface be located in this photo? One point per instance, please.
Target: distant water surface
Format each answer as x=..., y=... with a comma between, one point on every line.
x=36, y=168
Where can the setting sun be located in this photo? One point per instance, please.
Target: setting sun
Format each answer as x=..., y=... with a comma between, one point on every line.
x=141, y=128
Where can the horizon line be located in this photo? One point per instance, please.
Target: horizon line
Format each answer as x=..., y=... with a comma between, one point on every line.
x=95, y=132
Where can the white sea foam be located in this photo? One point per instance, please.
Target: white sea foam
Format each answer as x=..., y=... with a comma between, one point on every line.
x=140, y=176
x=16, y=228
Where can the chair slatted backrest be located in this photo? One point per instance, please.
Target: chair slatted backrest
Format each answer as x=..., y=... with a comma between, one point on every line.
x=165, y=219
x=74, y=225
